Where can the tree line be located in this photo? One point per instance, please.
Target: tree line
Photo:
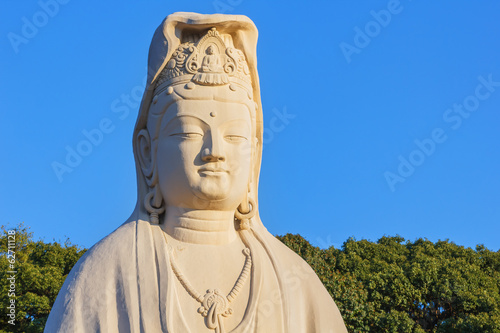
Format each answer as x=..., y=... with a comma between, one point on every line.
x=391, y=285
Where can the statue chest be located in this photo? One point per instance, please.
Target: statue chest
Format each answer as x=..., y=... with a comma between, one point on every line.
x=213, y=290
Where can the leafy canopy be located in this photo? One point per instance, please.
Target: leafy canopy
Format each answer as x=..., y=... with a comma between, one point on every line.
x=41, y=270
x=395, y=285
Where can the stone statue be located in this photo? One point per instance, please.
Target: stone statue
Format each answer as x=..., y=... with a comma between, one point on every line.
x=195, y=256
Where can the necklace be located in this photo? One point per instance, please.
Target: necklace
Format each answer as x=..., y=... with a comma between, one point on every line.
x=214, y=306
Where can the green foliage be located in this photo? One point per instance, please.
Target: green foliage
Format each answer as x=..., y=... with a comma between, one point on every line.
x=395, y=285
x=40, y=272
x=346, y=290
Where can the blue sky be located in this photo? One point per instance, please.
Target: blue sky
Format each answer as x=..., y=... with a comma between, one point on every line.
x=388, y=114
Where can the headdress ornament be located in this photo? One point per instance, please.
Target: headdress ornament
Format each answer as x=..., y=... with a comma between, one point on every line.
x=211, y=60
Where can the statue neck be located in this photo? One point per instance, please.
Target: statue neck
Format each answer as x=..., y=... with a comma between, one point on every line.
x=206, y=227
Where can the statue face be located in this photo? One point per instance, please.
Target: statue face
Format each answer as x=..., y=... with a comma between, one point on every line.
x=204, y=153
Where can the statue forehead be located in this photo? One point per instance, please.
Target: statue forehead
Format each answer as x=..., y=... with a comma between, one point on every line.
x=208, y=111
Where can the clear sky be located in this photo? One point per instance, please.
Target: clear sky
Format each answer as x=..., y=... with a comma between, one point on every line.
x=386, y=116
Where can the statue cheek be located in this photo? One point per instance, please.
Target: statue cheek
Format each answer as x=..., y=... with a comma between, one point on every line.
x=190, y=151
x=241, y=161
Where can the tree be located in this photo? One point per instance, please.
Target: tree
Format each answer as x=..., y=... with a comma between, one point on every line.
x=40, y=270
x=349, y=293
x=408, y=286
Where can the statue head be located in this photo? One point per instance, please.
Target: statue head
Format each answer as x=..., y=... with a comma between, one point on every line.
x=197, y=140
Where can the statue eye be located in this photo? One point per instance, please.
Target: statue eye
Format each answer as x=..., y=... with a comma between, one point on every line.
x=235, y=138
x=188, y=135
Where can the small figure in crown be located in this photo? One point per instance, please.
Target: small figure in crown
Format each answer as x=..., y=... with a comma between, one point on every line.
x=211, y=62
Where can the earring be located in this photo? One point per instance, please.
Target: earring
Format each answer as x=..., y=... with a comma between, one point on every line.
x=245, y=217
x=154, y=213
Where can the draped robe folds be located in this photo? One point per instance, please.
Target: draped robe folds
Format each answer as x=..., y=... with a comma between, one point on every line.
x=125, y=283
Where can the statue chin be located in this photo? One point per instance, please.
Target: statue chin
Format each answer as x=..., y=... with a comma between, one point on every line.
x=213, y=188
x=207, y=192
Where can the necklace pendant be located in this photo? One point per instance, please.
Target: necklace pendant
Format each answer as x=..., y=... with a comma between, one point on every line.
x=213, y=307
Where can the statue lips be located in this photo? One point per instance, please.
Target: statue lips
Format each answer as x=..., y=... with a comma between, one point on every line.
x=211, y=171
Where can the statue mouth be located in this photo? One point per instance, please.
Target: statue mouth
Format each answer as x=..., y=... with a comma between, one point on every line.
x=212, y=171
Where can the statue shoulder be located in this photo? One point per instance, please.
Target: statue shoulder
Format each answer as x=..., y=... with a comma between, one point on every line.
x=110, y=255
x=303, y=286
x=117, y=244
x=290, y=257
x=95, y=282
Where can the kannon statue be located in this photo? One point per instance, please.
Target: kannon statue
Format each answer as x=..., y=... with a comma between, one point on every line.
x=194, y=256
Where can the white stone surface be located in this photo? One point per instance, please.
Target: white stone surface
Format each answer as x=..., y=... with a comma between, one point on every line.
x=195, y=256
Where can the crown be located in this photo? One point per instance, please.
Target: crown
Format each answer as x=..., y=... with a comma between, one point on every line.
x=208, y=61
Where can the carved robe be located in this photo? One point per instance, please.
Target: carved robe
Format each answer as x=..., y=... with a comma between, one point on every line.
x=125, y=283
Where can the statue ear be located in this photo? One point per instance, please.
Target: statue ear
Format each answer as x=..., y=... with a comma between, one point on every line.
x=145, y=154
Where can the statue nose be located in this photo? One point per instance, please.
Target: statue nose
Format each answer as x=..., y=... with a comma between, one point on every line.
x=208, y=155
x=213, y=151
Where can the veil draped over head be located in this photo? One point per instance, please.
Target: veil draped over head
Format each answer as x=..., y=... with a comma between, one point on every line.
x=166, y=39
x=125, y=283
